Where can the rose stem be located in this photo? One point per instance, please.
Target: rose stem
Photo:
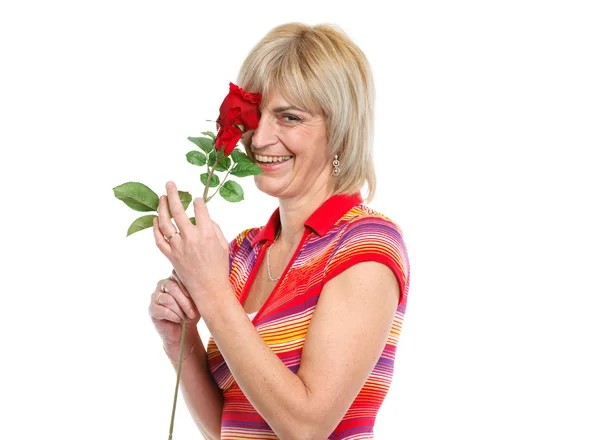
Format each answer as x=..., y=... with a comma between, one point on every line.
x=212, y=171
x=178, y=376
x=219, y=187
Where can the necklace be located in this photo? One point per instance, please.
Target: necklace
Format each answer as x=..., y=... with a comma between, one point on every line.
x=269, y=259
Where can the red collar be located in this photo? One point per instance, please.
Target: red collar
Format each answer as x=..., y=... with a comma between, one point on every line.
x=320, y=221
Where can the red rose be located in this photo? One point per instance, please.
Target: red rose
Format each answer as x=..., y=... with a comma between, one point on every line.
x=240, y=108
x=232, y=117
x=228, y=136
x=252, y=97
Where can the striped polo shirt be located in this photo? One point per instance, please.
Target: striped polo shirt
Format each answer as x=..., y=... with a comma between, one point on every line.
x=341, y=232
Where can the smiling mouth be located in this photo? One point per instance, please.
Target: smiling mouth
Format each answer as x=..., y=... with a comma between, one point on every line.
x=271, y=159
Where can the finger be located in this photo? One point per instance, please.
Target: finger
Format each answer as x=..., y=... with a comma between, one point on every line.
x=185, y=303
x=162, y=313
x=181, y=219
x=160, y=239
x=180, y=283
x=164, y=220
x=201, y=213
x=219, y=233
x=167, y=300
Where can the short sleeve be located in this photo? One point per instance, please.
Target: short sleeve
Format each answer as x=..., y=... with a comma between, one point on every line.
x=371, y=239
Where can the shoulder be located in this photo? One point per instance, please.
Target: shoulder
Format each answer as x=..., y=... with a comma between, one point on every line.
x=364, y=224
x=247, y=235
x=364, y=234
x=241, y=245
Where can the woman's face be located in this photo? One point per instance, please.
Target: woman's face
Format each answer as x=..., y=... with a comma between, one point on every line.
x=296, y=142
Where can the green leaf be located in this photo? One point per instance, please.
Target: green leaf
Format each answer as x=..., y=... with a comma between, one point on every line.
x=137, y=196
x=138, y=224
x=211, y=159
x=206, y=144
x=196, y=158
x=237, y=154
x=224, y=163
x=232, y=191
x=214, y=180
x=193, y=220
x=245, y=167
x=209, y=133
x=186, y=199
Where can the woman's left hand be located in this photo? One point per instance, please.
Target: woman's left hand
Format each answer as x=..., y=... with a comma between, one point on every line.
x=199, y=253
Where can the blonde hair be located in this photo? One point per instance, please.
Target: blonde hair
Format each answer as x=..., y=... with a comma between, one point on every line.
x=319, y=68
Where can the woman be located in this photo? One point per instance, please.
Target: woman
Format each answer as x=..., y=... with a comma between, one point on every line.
x=324, y=282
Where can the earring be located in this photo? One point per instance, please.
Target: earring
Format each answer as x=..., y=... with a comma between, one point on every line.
x=336, y=165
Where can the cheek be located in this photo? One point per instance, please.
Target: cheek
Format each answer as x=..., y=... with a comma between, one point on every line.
x=247, y=138
x=246, y=142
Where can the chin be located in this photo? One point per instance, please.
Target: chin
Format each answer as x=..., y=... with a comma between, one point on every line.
x=271, y=187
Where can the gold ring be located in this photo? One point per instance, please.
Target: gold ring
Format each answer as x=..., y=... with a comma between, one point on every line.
x=171, y=236
x=163, y=287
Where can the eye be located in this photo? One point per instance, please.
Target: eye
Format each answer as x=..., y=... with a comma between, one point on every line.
x=293, y=118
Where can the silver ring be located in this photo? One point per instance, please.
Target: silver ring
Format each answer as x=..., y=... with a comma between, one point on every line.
x=171, y=236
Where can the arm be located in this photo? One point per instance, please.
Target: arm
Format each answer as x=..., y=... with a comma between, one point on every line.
x=347, y=333
x=346, y=336
x=203, y=397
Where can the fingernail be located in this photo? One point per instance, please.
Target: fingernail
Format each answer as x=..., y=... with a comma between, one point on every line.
x=191, y=313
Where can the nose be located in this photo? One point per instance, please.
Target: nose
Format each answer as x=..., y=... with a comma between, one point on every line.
x=265, y=134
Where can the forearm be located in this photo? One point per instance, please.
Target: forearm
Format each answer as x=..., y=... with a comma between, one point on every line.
x=278, y=394
x=202, y=395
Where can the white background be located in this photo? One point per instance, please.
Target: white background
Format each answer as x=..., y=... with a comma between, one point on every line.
x=487, y=123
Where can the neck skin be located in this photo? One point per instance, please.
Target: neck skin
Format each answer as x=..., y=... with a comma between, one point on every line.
x=294, y=212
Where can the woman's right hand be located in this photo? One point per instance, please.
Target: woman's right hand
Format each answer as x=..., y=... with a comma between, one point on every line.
x=167, y=310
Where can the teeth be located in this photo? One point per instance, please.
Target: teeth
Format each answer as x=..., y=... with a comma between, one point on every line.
x=271, y=158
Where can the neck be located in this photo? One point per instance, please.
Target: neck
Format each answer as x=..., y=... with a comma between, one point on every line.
x=294, y=212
